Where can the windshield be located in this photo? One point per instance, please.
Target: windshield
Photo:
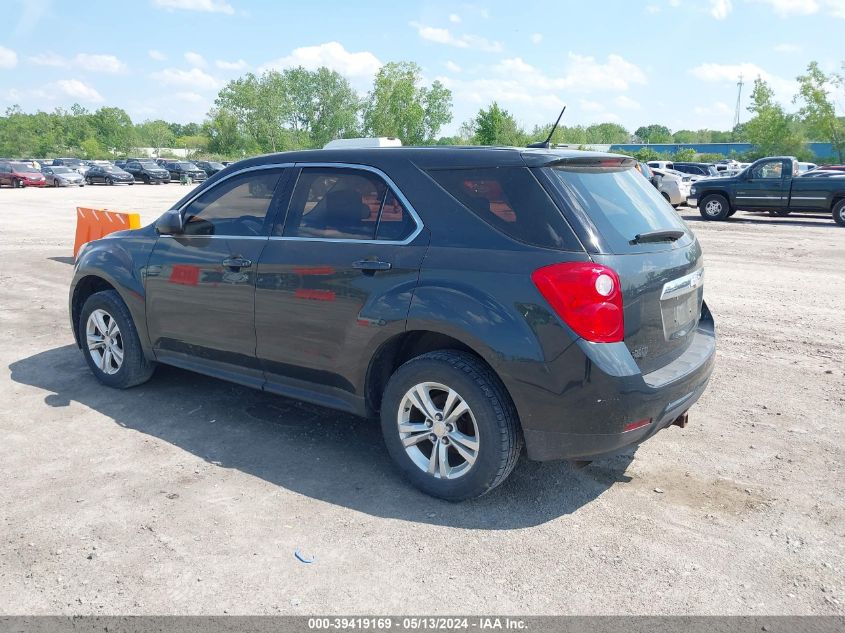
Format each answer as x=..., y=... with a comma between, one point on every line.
x=214, y=165
x=621, y=203
x=148, y=164
x=110, y=168
x=62, y=170
x=187, y=166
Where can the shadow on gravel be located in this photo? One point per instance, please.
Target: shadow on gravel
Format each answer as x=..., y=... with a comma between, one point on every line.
x=798, y=219
x=63, y=260
x=321, y=453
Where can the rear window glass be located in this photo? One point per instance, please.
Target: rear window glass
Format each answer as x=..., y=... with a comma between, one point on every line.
x=621, y=203
x=511, y=200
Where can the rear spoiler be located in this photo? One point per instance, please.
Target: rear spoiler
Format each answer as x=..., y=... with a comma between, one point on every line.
x=589, y=161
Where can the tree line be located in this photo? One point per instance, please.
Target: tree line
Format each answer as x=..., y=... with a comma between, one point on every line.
x=298, y=108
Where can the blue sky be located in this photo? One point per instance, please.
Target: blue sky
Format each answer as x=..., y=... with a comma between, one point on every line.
x=633, y=61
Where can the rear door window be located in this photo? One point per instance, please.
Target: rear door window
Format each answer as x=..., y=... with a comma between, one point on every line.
x=346, y=204
x=619, y=203
x=512, y=201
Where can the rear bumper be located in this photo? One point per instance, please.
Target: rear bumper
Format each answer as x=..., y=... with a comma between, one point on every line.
x=588, y=417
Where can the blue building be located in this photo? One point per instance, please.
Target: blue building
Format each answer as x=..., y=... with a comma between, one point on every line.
x=823, y=151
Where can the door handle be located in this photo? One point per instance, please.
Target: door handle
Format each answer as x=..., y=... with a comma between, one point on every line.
x=237, y=262
x=371, y=265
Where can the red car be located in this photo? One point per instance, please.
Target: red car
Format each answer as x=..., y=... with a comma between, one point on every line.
x=17, y=174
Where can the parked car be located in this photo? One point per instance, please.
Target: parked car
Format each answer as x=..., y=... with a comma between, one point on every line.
x=661, y=164
x=121, y=162
x=833, y=167
x=577, y=325
x=673, y=186
x=108, y=175
x=181, y=168
x=803, y=167
x=61, y=176
x=772, y=185
x=148, y=172
x=16, y=174
x=210, y=167
x=76, y=164
x=703, y=170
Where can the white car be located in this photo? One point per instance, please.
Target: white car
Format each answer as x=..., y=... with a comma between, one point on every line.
x=673, y=185
x=803, y=168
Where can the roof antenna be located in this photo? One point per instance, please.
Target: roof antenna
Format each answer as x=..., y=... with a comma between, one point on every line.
x=548, y=142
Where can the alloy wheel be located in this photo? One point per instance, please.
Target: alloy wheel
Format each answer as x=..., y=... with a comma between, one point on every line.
x=438, y=430
x=713, y=208
x=105, y=342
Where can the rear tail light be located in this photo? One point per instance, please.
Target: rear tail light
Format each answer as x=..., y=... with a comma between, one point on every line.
x=633, y=426
x=587, y=296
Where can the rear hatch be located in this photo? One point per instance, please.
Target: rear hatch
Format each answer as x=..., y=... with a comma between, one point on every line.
x=625, y=224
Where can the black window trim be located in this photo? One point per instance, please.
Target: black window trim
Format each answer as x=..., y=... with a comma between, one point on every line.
x=390, y=184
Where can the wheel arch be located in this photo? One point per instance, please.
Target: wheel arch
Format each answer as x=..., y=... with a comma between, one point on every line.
x=402, y=347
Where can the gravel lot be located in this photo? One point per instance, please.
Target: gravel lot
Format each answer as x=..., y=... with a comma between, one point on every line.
x=188, y=495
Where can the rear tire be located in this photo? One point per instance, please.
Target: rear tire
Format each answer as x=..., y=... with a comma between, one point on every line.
x=106, y=311
x=714, y=207
x=839, y=212
x=481, y=445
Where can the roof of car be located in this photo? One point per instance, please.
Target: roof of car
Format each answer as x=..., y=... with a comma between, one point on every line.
x=434, y=156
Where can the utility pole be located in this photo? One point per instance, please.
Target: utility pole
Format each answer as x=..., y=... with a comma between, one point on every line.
x=738, y=100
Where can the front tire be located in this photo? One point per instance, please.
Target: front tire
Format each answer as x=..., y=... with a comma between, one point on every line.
x=450, y=425
x=109, y=181
x=16, y=184
x=714, y=207
x=839, y=212
x=110, y=342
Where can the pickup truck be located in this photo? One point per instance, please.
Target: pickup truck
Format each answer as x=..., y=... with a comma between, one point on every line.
x=769, y=184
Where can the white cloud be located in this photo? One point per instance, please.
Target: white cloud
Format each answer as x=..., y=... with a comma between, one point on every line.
x=836, y=8
x=84, y=61
x=190, y=97
x=79, y=90
x=238, y=65
x=536, y=38
x=99, y=63
x=720, y=9
x=454, y=18
x=359, y=66
x=49, y=59
x=786, y=8
x=452, y=66
x=674, y=3
x=730, y=73
x=209, y=6
x=156, y=55
x=652, y=9
x=445, y=36
x=787, y=48
x=626, y=103
x=583, y=73
x=195, y=59
x=717, y=107
x=8, y=58
x=194, y=78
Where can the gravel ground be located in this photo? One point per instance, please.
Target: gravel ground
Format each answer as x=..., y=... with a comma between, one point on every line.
x=188, y=495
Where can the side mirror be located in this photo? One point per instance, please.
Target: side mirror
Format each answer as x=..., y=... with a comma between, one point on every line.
x=170, y=223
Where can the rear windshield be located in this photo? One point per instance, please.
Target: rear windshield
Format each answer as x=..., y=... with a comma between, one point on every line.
x=620, y=203
x=511, y=200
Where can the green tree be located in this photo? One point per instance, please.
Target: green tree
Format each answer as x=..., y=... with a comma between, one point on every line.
x=654, y=133
x=603, y=133
x=113, y=129
x=684, y=155
x=156, y=134
x=399, y=106
x=495, y=126
x=771, y=130
x=818, y=111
